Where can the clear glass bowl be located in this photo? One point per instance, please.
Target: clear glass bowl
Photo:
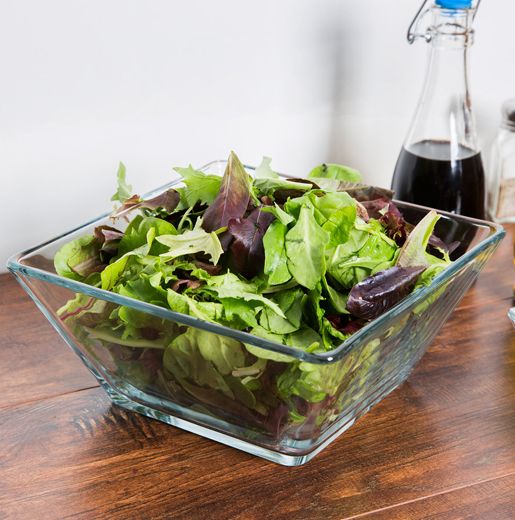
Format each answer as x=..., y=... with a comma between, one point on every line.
x=351, y=378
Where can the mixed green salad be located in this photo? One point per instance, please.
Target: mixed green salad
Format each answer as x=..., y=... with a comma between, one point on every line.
x=302, y=262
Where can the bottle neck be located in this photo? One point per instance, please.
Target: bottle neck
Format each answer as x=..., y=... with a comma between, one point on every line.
x=444, y=112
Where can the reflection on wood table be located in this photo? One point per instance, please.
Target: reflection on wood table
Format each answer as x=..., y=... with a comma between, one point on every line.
x=440, y=446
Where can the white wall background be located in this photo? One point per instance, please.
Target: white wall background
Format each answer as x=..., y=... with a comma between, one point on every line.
x=158, y=83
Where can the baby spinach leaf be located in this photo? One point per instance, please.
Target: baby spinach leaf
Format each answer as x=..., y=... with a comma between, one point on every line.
x=276, y=261
x=305, y=248
x=337, y=300
x=291, y=303
x=278, y=213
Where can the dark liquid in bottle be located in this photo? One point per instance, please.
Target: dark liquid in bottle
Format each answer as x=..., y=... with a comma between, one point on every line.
x=425, y=175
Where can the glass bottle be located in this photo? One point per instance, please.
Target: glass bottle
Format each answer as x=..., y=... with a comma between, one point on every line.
x=440, y=163
x=501, y=192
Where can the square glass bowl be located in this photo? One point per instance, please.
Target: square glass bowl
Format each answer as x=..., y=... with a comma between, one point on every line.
x=187, y=388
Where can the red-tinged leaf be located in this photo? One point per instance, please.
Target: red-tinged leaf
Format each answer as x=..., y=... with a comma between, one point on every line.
x=209, y=268
x=390, y=217
x=109, y=239
x=342, y=323
x=375, y=207
x=233, y=198
x=247, y=252
x=440, y=245
x=396, y=227
x=106, y=234
x=181, y=285
x=381, y=291
x=133, y=202
x=89, y=265
x=168, y=201
x=363, y=192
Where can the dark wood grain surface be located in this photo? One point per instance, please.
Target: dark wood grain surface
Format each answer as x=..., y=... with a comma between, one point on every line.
x=441, y=446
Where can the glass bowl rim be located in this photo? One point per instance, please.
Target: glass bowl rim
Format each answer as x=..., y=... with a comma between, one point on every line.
x=17, y=268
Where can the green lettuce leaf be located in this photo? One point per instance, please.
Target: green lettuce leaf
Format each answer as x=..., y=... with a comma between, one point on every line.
x=208, y=311
x=305, y=248
x=111, y=274
x=78, y=258
x=279, y=214
x=413, y=252
x=124, y=190
x=291, y=303
x=190, y=242
x=230, y=286
x=335, y=171
x=269, y=185
x=136, y=234
x=276, y=261
x=367, y=251
x=264, y=170
x=199, y=186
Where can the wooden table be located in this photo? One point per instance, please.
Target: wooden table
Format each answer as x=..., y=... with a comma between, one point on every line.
x=441, y=446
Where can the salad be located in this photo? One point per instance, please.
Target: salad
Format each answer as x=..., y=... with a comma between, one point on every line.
x=302, y=262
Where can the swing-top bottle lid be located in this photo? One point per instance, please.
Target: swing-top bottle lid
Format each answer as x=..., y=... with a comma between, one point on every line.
x=454, y=4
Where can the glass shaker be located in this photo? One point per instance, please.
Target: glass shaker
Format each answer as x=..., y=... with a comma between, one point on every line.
x=501, y=192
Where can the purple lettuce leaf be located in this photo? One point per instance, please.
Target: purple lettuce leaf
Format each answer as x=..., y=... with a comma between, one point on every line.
x=232, y=200
x=390, y=217
x=375, y=207
x=378, y=293
x=440, y=245
x=106, y=234
x=183, y=284
x=363, y=192
x=209, y=268
x=108, y=238
x=345, y=325
x=394, y=224
x=247, y=251
x=168, y=201
x=397, y=228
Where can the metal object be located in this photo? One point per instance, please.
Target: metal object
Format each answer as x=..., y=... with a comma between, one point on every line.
x=413, y=32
